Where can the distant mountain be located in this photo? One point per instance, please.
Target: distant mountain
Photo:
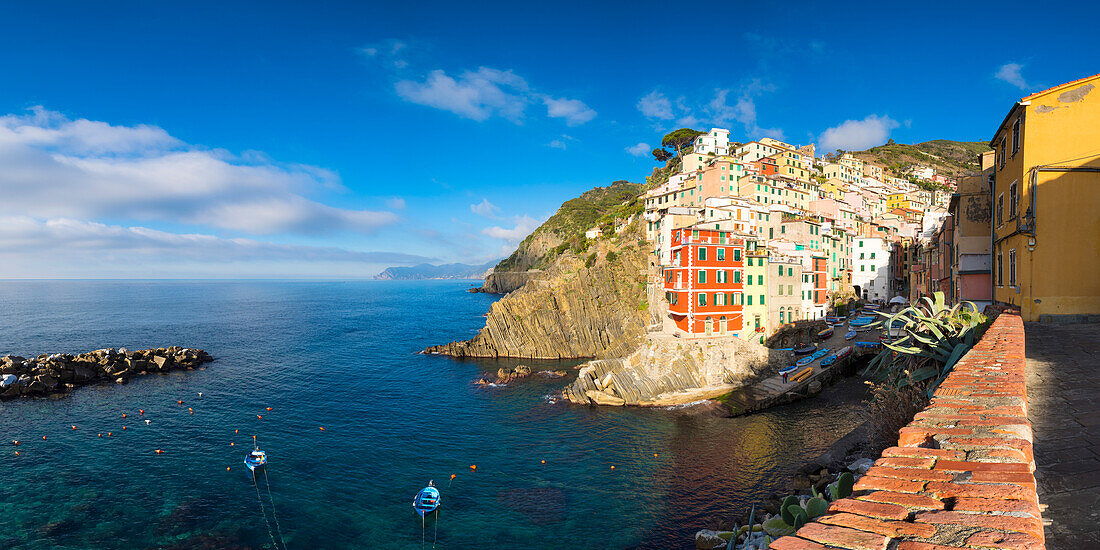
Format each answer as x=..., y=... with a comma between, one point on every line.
x=951, y=158
x=429, y=271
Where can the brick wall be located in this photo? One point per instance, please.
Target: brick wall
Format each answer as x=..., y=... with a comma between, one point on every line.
x=962, y=473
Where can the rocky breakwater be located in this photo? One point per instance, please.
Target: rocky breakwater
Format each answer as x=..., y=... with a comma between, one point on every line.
x=61, y=372
x=589, y=305
x=671, y=371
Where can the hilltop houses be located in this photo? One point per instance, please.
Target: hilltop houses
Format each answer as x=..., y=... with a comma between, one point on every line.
x=746, y=238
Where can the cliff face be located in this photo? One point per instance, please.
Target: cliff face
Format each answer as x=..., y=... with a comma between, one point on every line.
x=570, y=309
x=669, y=371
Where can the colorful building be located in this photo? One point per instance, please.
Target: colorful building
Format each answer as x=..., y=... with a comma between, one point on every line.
x=1046, y=203
x=704, y=285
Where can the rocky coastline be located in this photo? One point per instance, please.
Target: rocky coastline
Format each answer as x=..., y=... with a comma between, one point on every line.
x=49, y=374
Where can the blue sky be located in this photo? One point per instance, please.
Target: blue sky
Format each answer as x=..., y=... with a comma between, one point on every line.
x=333, y=139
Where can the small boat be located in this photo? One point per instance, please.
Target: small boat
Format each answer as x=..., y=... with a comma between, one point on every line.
x=849, y=335
x=820, y=353
x=861, y=321
x=427, y=500
x=834, y=320
x=868, y=344
x=255, y=459
x=805, y=361
x=843, y=352
x=827, y=333
x=788, y=370
x=829, y=360
x=804, y=350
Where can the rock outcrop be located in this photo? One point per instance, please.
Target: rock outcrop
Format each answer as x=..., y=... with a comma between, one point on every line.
x=587, y=305
x=671, y=371
x=506, y=281
x=62, y=372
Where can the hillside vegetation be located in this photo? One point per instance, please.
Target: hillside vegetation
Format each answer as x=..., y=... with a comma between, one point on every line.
x=950, y=158
x=565, y=229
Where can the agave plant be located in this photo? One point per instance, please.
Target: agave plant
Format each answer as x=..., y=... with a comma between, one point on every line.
x=933, y=338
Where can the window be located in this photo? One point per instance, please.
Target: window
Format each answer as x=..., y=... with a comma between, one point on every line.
x=1013, y=201
x=759, y=279
x=702, y=254
x=790, y=290
x=790, y=272
x=721, y=254
x=1012, y=267
x=719, y=299
x=860, y=244
x=780, y=290
x=781, y=319
x=1002, y=150
x=722, y=275
x=1000, y=209
x=702, y=276
x=872, y=255
x=780, y=271
x=761, y=299
x=1000, y=267
x=702, y=299
x=861, y=255
x=749, y=281
x=1015, y=136
x=748, y=301
x=750, y=262
x=737, y=276
x=737, y=254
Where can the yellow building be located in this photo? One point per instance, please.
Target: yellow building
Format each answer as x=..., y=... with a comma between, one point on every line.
x=1046, y=203
x=756, y=292
x=902, y=200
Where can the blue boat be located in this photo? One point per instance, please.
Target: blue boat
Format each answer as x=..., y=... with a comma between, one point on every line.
x=827, y=333
x=861, y=321
x=256, y=458
x=820, y=353
x=805, y=361
x=828, y=360
x=849, y=335
x=788, y=370
x=427, y=500
x=868, y=345
x=804, y=350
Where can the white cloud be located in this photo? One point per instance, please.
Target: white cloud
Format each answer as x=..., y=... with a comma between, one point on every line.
x=369, y=52
x=524, y=226
x=485, y=209
x=54, y=167
x=556, y=144
x=655, y=105
x=743, y=111
x=854, y=135
x=640, y=150
x=487, y=92
x=1010, y=73
x=396, y=203
x=574, y=111
x=476, y=95
x=31, y=247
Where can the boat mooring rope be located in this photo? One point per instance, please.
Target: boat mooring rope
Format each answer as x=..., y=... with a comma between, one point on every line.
x=263, y=511
x=278, y=529
x=436, y=539
x=422, y=532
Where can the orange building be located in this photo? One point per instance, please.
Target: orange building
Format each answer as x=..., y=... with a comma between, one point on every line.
x=704, y=286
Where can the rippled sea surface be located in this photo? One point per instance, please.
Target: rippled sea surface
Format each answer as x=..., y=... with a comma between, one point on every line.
x=343, y=356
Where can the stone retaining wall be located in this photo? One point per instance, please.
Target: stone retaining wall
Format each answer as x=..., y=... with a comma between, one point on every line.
x=962, y=475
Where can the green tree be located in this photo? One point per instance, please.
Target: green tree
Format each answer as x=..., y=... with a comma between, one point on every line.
x=661, y=155
x=678, y=139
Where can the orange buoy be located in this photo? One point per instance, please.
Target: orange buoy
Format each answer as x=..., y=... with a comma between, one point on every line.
x=612, y=467
x=124, y=427
x=322, y=428
x=123, y=415
x=453, y=476
x=43, y=437
x=74, y=427
x=180, y=401
x=15, y=442
x=159, y=452
x=654, y=455
x=235, y=431
x=108, y=434
x=473, y=467
x=231, y=444
x=544, y=462
x=99, y=435
x=269, y=408
x=141, y=411
x=16, y=453
x=260, y=417
x=227, y=468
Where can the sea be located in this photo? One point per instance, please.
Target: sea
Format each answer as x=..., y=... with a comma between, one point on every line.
x=328, y=378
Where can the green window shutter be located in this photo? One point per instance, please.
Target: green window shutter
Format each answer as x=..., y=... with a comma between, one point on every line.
x=737, y=276
x=737, y=254
x=759, y=279
x=702, y=276
x=721, y=254
x=748, y=297
x=761, y=299
x=702, y=254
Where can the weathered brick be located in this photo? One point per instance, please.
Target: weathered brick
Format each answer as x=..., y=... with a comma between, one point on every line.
x=942, y=490
x=906, y=462
x=996, y=505
x=904, y=499
x=960, y=466
x=915, y=545
x=1031, y=526
x=871, y=483
x=1008, y=541
x=917, y=474
x=843, y=537
x=921, y=452
x=795, y=543
x=871, y=509
x=1026, y=480
x=891, y=529
x=917, y=436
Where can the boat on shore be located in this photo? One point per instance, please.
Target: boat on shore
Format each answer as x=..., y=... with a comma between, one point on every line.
x=825, y=334
x=849, y=335
x=805, y=361
x=804, y=350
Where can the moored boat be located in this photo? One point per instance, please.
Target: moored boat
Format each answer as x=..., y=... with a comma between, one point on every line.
x=256, y=458
x=427, y=500
x=849, y=335
x=805, y=361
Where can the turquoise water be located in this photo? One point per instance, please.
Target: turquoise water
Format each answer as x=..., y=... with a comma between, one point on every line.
x=343, y=356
